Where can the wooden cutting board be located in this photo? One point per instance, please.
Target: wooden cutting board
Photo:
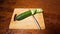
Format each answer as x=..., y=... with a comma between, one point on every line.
x=27, y=23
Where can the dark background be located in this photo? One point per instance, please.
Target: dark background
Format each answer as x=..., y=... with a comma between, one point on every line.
x=51, y=15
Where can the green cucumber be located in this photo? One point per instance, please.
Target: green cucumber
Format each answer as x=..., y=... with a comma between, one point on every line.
x=26, y=14
x=23, y=15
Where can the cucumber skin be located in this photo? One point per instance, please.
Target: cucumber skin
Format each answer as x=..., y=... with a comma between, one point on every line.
x=23, y=15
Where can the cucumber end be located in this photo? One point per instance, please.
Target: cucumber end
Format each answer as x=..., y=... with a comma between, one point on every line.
x=39, y=10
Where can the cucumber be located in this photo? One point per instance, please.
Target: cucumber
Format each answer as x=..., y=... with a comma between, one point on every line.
x=26, y=14
x=23, y=15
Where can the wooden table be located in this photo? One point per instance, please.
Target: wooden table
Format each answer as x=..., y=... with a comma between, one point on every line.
x=51, y=15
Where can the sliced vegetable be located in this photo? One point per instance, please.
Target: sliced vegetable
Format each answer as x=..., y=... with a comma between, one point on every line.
x=27, y=13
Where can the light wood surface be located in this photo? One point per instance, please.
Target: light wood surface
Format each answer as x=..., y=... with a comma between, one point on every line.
x=27, y=23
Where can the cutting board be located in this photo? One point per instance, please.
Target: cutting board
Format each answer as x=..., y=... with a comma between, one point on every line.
x=27, y=23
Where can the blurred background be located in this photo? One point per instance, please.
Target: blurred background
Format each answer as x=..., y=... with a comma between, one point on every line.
x=51, y=15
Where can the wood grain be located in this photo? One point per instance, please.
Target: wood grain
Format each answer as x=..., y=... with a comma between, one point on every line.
x=51, y=15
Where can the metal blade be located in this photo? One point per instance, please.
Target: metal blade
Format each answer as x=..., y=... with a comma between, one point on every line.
x=36, y=22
